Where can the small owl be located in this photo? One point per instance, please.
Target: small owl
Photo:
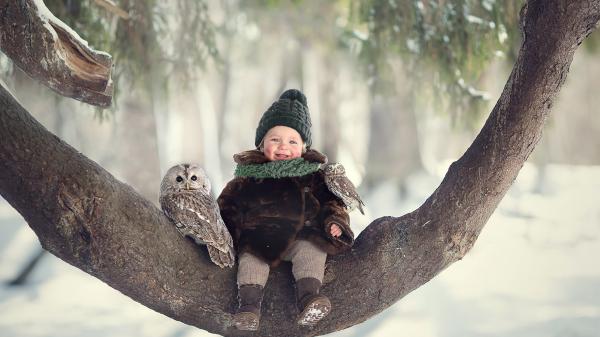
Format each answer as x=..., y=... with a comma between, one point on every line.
x=342, y=187
x=185, y=199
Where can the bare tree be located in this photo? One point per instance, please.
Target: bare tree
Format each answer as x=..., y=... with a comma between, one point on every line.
x=86, y=217
x=393, y=152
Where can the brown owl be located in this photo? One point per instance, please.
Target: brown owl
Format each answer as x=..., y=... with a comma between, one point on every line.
x=185, y=199
x=342, y=187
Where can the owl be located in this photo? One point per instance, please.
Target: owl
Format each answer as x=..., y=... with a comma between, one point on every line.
x=185, y=199
x=342, y=187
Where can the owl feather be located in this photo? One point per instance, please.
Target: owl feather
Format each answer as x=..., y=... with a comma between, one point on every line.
x=342, y=187
x=185, y=199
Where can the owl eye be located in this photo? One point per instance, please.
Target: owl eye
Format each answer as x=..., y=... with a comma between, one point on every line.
x=179, y=179
x=194, y=178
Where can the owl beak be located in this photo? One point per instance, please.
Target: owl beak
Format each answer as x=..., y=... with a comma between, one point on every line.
x=187, y=186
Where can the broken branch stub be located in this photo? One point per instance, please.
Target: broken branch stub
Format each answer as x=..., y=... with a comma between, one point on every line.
x=49, y=51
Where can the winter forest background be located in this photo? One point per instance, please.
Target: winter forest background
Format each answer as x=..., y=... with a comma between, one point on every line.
x=397, y=91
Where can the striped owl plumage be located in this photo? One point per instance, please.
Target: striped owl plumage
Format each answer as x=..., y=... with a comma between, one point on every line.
x=342, y=187
x=185, y=199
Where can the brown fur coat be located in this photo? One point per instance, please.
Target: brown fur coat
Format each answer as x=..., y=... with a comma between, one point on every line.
x=264, y=216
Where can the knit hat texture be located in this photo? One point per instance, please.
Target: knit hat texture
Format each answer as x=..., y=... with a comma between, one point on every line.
x=289, y=110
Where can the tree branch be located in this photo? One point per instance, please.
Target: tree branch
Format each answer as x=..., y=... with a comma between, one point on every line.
x=50, y=52
x=110, y=6
x=83, y=215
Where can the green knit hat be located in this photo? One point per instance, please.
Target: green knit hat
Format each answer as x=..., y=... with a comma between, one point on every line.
x=289, y=110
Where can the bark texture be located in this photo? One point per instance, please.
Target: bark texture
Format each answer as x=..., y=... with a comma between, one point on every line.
x=48, y=51
x=86, y=217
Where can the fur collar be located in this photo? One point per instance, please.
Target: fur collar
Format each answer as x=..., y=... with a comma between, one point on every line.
x=257, y=157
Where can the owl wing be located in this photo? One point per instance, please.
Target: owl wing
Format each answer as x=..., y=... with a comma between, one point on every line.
x=344, y=189
x=223, y=251
x=197, y=216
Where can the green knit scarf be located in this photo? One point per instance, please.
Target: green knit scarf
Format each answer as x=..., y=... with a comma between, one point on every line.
x=277, y=169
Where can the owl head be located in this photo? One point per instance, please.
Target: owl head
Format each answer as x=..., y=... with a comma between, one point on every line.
x=334, y=169
x=185, y=177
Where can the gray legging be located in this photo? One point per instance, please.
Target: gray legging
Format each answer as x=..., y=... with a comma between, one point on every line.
x=307, y=260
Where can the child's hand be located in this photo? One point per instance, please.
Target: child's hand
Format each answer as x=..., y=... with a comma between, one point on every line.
x=335, y=230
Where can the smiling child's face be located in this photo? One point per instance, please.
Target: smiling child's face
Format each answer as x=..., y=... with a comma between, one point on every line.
x=282, y=143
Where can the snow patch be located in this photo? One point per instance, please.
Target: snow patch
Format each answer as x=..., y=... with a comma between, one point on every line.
x=5, y=86
x=21, y=248
x=46, y=17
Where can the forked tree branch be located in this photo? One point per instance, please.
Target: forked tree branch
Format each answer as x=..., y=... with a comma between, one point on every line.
x=83, y=215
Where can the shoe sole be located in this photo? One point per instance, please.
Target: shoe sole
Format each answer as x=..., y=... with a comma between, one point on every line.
x=314, y=312
x=246, y=321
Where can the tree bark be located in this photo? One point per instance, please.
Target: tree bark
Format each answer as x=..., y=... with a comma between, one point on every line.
x=50, y=52
x=86, y=217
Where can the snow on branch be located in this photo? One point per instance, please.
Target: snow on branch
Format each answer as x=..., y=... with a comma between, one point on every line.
x=51, y=52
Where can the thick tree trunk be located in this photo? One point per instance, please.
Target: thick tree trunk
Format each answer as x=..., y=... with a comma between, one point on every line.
x=136, y=138
x=393, y=140
x=50, y=52
x=87, y=218
x=329, y=108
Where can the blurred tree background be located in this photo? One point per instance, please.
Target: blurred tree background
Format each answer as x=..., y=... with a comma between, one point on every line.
x=394, y=87
x=376, y=74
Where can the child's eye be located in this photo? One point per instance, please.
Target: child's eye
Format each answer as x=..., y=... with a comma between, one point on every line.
x=274, y=139
x=293, y=142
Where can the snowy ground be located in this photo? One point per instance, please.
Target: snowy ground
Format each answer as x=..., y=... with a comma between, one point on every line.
x=532, y=272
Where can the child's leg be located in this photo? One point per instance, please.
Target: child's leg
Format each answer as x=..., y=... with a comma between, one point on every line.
x=252, y=270
x=251, y=277
x=308, y=260
x=308, y=267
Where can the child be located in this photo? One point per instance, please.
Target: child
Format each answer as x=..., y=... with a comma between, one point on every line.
x=278, y=208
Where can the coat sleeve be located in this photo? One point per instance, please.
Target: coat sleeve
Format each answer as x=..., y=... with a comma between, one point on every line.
x=334, y=212
x=231, y=212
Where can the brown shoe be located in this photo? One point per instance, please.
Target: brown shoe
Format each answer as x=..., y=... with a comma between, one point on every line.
x=312, y=305
x=247, y=316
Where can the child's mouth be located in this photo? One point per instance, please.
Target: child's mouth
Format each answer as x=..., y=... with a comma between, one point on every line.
x=281, y=156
